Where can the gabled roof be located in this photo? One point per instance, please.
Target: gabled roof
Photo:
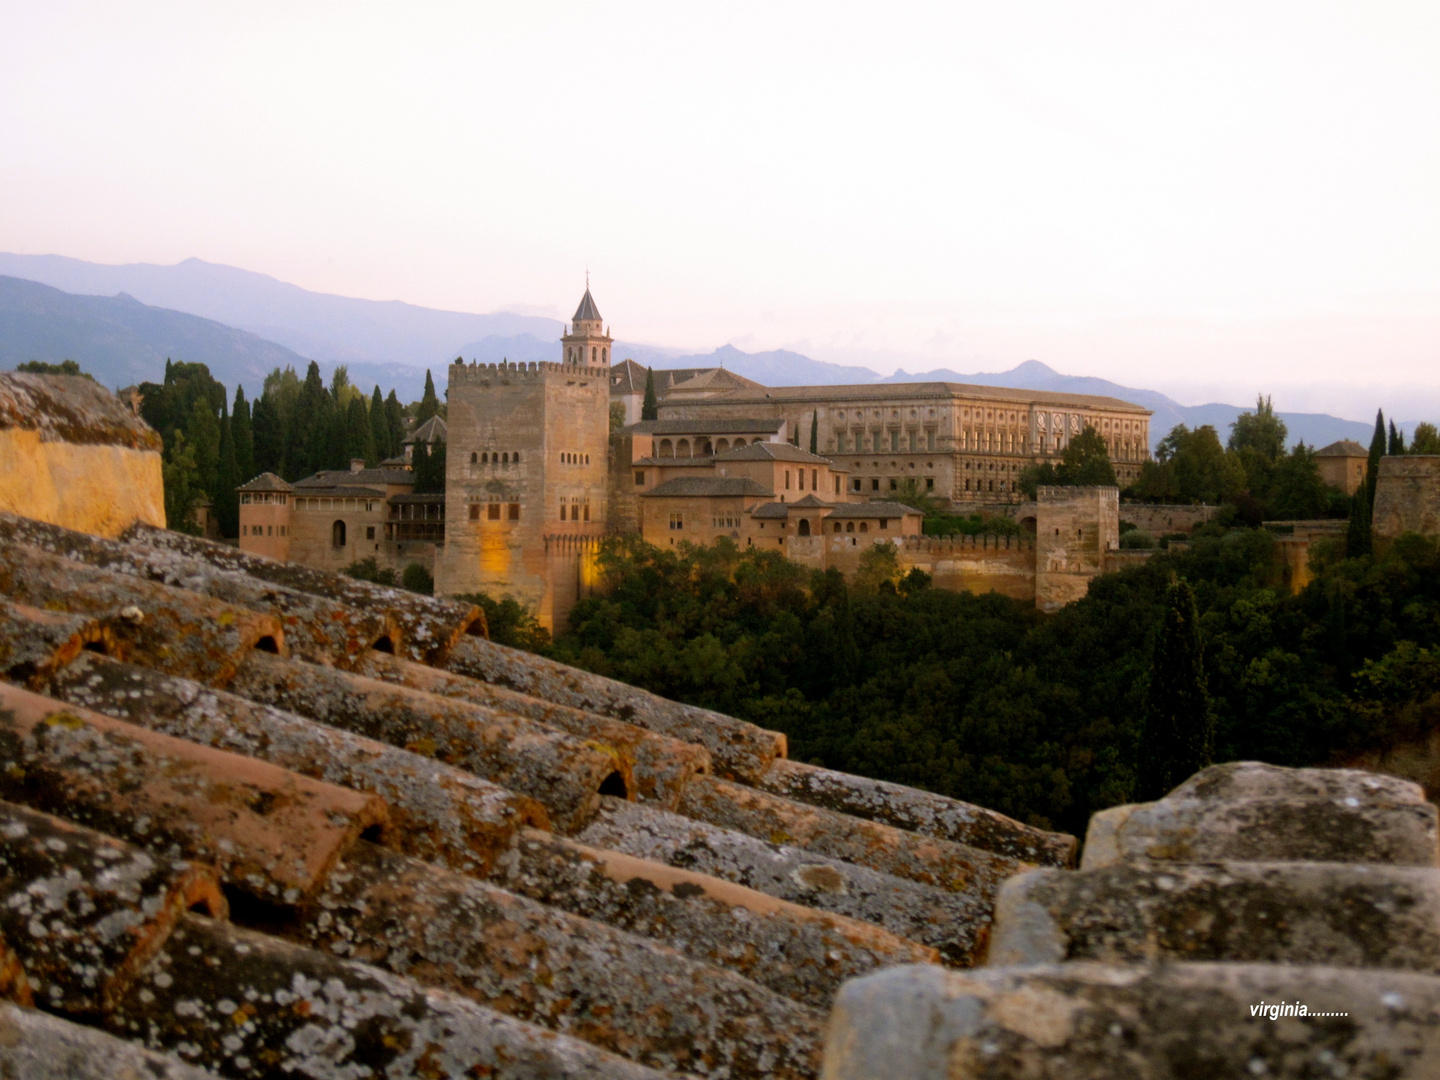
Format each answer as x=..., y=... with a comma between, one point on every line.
x=266, y=481
x=717, y=426
x=587, y=311
x=707, y=487
x=771, y=510
x=716, y=380
x=431, y=431
x=772, y=451
x=872, y=510
x=809, y=502
x=627, y=377
x=1343, y=448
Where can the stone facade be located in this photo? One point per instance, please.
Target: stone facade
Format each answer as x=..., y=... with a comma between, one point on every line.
x=527, y=477
x=964, y=443
x=1407, y=497
x=1075, y=527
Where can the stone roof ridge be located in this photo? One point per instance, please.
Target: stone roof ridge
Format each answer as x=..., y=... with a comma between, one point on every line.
x=879, y=508
x=73, y=409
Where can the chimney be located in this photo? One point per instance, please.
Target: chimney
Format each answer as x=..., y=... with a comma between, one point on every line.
x=356, y=464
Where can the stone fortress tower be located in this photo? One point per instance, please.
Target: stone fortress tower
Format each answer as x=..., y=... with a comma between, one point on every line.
x=526, y=473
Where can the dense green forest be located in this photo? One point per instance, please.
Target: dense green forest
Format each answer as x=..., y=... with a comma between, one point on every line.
x=985, y=699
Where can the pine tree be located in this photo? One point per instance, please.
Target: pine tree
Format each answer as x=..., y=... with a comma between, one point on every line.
x=650, y=407
x=395, y=421
x=1397, y=440
x=429, y=403
x=379, y=429
x=242, y=436
x=1372, y=468
x=815, y=432
x=225, y=500
x=1179, y=734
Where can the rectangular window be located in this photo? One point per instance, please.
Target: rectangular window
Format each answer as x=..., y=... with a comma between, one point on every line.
x=369, y=532
x=639, y=479
x=269, y=530
x=802, y=479
x=855, y=484
x=930, y=440
x=894, y=483
x=840, y=442
x=677, y=521
x=929, y=483
x=492, y=511
x=837, y=485
x=284, y=530
x=879, y=446
x=474, y=511
x=512, y=511
x=894, y=441
x=562, y=511
x=587, y=511
x=814, y=482
x=884, y=523
x=875, y=484
x=787, y=479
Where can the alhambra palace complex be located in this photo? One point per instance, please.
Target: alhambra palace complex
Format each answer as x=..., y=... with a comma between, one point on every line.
x=536, y=479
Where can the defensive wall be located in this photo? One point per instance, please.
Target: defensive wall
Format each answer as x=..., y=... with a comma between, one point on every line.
x=1075, y=529
x=1407, y=497
x=1158, y=519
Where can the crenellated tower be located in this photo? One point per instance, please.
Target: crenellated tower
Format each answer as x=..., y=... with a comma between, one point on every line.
x=526, y=473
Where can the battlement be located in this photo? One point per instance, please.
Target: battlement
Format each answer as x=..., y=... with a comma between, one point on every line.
x=475, y=374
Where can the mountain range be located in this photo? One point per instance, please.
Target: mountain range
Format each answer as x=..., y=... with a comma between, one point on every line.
x=121, y=323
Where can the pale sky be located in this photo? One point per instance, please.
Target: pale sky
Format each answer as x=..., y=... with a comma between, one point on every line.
x=1208, y=199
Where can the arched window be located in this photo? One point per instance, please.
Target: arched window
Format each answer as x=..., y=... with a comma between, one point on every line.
x=562, y=511
x=485, y=459
x=682, y=448
x=722, y=446
x=337, y=534
x=505, y=459
x=515, y=458
x=864, y=527
x=587, y=459
x=474, y=459
x=837, y=527
x=804, y=527
x=592, y=354
x=849, y=526
x=739, y=443
x=605, y=356
x=667, y=449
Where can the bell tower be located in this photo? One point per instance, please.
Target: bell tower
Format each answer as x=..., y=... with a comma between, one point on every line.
x=587, y=343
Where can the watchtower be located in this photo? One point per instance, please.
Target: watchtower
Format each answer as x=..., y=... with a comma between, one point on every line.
x=525, y=474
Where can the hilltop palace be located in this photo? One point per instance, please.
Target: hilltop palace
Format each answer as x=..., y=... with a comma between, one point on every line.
x=536, y=478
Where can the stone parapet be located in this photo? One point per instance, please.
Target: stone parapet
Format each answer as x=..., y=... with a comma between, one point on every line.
x=1407, y=497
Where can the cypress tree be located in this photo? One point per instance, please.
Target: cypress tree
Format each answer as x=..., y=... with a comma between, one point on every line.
x=429, y=403
x=226, y=499
x=242, y=436
x=359, y=443
x=1179, y=734
x=268, y=433
x=1397, y=440
x=1377, y=451
x=202, y=433
x=815, y=432
x=395, y=421
x=1357, y=533
x=420, y=467
x=379, y=429
x=306, y=434
x=650, y=407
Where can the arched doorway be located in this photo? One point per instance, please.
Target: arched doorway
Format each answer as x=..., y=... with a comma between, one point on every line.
x=804, y=529
x=337, y=534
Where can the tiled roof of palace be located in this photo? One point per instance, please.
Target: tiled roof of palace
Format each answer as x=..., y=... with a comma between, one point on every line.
x=772, y=451
x=431, y=431
x=917, y=390
x=704, y=426
x=872, y=510
x=706, y=486
x=328, y=478
x=266, y=481
x=1343, y=448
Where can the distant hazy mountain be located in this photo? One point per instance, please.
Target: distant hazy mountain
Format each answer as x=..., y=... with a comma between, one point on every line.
x=1315, y=429
x=313, y=324
x=779, y=367
x=121, y=341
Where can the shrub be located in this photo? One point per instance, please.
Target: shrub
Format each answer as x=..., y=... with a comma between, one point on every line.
x=417, y=580
x=1136, y=538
